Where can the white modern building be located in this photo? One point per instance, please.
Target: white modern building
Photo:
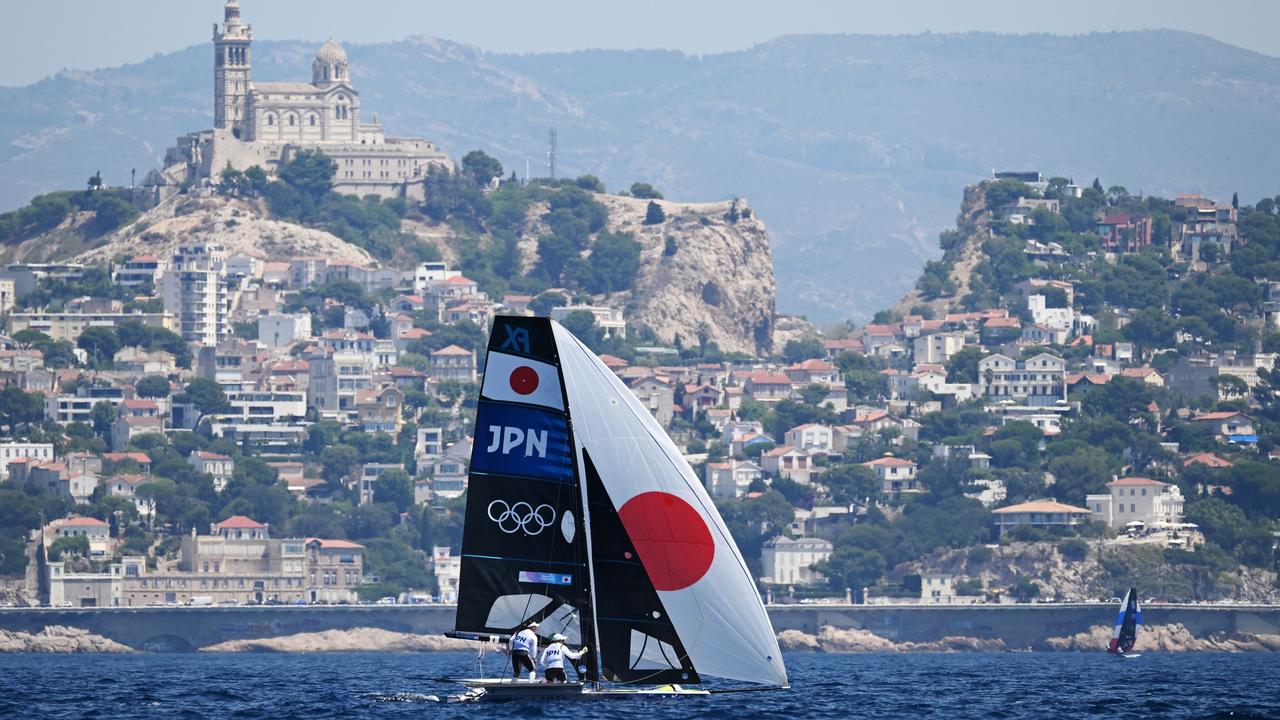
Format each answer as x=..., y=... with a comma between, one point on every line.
x=196, y=292
x=1036, y=381
x=13, y=450
x=281, y=330
x=1153, y=503
x=731, y=478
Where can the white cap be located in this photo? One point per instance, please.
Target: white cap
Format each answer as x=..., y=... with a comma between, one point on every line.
x=557, y=638
x=533, y=624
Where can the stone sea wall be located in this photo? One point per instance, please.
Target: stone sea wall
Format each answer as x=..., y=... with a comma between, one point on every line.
x=820, y=628
x=1157, y=638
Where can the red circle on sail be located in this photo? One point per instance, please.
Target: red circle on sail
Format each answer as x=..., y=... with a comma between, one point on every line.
x=524, y=380
x=672, y=539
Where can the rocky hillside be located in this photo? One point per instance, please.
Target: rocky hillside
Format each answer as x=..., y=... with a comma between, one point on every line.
x=241, y=226
x=718, y=283
x=1102, y=572
x=702, y=275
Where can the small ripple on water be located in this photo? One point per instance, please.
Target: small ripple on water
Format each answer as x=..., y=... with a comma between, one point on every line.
x=997, y=686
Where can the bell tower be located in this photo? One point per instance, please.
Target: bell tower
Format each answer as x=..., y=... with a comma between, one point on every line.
x=231, y=72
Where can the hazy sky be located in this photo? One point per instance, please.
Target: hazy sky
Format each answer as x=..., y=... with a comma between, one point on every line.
x=44, y=36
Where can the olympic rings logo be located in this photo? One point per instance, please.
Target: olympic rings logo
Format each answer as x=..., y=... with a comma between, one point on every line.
x=521, y=517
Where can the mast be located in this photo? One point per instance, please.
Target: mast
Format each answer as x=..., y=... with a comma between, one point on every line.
x=586, y=528
x=591, y=563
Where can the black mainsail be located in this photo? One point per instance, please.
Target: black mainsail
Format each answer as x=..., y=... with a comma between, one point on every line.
x=524, y=553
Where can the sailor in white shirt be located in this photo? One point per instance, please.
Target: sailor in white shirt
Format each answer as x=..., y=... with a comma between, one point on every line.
x=553, y=658
x=524, y=646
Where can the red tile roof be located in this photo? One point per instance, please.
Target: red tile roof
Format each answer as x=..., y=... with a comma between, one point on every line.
x=239, y=522
x=78, y=521
x=1136, y=482
x=1219, y=415
x=889, y=461
x=1208, y=460
x=1041, y=506
x=452, y=350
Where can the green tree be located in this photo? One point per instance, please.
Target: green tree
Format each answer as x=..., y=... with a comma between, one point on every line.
x=74, y=544
x=1024, y=590
x=480, y=167
x=19, y=408
x=1079, y=474
x=337, y=461
x=100, y=343
x=153, y=386
x=207, y=396
x=582, y=324
x=850, y=483
x=104, y=415
x=654, y=214
x=797, y=350
x=311, y=173
x=852, y=567
x=645, y=191
x=962, y=367
x=614, y=263
x=112, y=212
x=396, y=488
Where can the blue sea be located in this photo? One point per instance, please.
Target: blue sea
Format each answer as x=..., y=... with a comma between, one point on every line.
x=1012, y=685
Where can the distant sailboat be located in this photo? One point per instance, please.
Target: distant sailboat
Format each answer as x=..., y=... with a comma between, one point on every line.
x=1125, y=636
x=582, y=515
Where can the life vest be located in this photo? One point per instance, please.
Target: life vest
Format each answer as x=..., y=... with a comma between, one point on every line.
x=553, y=656
x=524, y=641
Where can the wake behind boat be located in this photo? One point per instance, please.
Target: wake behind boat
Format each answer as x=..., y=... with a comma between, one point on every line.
x=1125, y=635
x=584, y=517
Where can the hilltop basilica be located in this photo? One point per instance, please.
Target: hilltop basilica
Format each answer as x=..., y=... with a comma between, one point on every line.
x=265, y=124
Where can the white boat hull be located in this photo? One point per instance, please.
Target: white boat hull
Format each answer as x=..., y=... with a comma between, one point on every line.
x=507, y=688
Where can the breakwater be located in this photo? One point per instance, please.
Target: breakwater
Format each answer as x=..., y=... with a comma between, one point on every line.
x=187, y=629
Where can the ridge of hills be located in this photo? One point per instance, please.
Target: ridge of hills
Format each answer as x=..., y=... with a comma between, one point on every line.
x=851, y=145
x=703, y=273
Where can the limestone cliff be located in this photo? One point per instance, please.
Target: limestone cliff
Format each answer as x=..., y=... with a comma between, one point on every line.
x=240, y=226
x=718, y=283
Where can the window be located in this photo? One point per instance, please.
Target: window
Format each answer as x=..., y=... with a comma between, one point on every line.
x=313, y=121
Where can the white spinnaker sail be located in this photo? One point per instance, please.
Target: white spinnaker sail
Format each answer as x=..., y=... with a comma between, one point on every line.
x=719, y=616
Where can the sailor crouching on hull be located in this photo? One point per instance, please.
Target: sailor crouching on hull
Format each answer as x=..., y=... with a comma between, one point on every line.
x=553, y=659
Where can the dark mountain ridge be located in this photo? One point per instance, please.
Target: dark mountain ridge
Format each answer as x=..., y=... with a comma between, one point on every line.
x=851, y=147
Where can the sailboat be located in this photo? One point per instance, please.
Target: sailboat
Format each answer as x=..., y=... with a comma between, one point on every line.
x=583, y=516
x=1125, y=635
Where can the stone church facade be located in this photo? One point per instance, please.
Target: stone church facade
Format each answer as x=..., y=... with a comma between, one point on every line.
x=265, y=124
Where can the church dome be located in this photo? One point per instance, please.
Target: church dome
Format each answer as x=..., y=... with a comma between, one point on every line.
x=331, y=53
x=330, y=65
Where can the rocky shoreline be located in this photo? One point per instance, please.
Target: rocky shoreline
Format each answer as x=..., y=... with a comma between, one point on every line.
x=363, y=639
x=59, y=639
x=1154, y=638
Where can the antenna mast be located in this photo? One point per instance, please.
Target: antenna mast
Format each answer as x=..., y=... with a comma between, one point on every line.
x=553, y=143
